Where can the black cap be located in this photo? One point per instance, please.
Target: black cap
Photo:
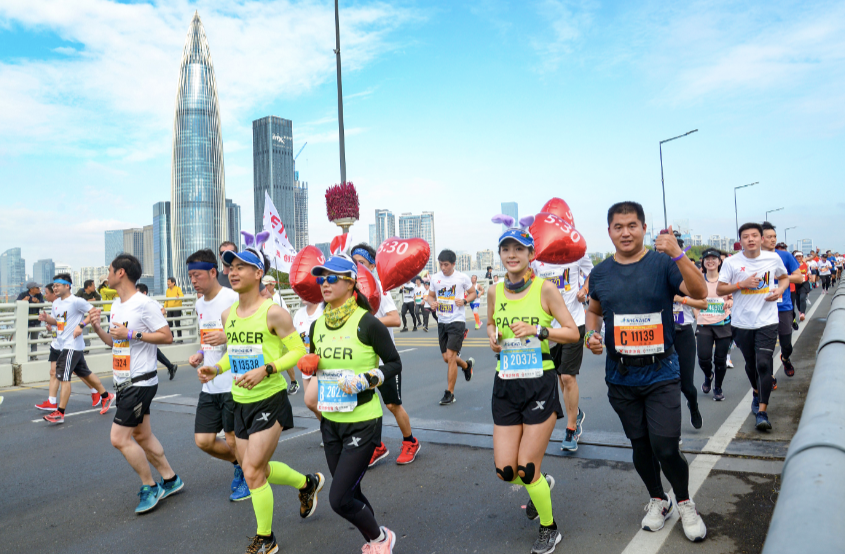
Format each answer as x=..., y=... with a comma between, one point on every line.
x=711, y=252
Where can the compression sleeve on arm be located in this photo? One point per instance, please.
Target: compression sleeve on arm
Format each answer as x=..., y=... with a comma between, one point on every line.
x=296, y=350
x=224, y=363
x=372, y=332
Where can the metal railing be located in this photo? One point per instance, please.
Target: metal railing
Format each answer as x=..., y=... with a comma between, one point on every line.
x=811, y=502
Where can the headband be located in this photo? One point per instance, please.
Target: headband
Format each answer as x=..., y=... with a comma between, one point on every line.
x=62, y=282
x=205, y=266
x=364, y=254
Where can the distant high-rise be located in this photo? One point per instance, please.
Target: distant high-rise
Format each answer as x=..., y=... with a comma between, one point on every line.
x=805, y=246
x=325, y=248
x=463, y=262
x=419, y=226
x=147, y=262
x=385, y=226
x=484, y=259
x=300, y=190
x=374, y=236
x=12, y=273
x=133, y=243
x=43, y=271
x=198, y=188
x=511, y=209
x=233, y=216
x=272, y=170
x=162, y=246
x=114, y=245
x=96, y=274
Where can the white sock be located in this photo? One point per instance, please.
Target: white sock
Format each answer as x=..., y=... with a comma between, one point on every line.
x=380, y=538
x=93, y=390
x=51, y=399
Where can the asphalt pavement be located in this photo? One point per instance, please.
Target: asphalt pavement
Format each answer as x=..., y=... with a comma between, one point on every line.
x=69, y=491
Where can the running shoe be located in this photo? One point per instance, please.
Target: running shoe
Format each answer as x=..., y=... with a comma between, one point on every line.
x=308, y=496
x=240, y=492
x=579, y=423
x=755, y=404
x=106, y=403
x=570, y=443
x=95, y=399
x=425, y=329
x=794, y=325
x=294, y=387
x=382, y=547
x=729, y=363
x=409, y=452
x=717, y=394
x=149, y=497
x=548, y=539
x=763, y=422
x=774, y=384
x=1, y=400
x=695, y=416
x=448, y=398
x=172, y=487
x=530, y=509
x=263, y=545
x=705, y=386
x=788, y=368
x=478, y=327
x=694, y=527
x=404, y=330
x=239, y=476
x=47, y=406
x=658, y=511
x=468, y=370
x=55, y=417
x=379, y=453
x=801, y=317
x=414, y=329
x=171, y=371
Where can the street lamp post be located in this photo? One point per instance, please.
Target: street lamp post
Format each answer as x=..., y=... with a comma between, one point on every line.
x=339, y=96
x=662, y=183
x=736, y=213
x=784, y=234
x=771, y=211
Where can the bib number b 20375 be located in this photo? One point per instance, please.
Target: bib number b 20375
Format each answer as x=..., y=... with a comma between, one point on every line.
x=521, y=359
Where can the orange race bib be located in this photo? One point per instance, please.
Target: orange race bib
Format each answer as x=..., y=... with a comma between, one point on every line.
x=638, y=334
x=207, y=327
x=120, y=359
x=60, y=325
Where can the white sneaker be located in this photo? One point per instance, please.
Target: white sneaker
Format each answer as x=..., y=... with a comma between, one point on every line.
x=694, y=527
x=658, y=511
x=729, y=363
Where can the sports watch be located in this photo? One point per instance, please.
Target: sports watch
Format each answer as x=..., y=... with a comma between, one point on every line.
x=137, y=336
x=542, y=333
x=269, y=369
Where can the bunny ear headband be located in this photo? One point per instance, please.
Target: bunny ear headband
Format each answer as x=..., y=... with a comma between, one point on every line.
x=252, y=253
x=518, y=233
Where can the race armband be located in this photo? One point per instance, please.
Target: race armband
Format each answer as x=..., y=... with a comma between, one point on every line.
x=296, y=350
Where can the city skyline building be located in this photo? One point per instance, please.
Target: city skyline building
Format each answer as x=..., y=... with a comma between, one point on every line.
x=12, y=274
x=95, y=273
x=273, y=171
x=148, y=250
x=463, y=262
x=373, y=236
x=325, y=248
x=133, y=243
x=385, y=226
x=114, y=244
x=805, y=246
x=162, y=246
x=300, y=197
x=484, y=259
x=198, y=186
x=233, y=223
x=419, y=226
x=43, y=271
x=511, y=209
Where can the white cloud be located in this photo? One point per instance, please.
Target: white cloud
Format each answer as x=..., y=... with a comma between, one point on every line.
x=568, y=21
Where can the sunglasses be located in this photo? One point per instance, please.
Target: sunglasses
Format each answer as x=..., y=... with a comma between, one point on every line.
x=332, y=279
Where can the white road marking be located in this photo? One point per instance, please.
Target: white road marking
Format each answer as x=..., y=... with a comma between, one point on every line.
x=646, y=542
x=163, y=397
x=299, y=435
x=39, y=420
x=408, y=350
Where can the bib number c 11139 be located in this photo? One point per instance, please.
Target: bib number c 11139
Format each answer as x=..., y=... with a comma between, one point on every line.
x=638, y=334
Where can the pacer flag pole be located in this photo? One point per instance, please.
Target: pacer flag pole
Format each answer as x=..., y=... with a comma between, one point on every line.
x=278, y=247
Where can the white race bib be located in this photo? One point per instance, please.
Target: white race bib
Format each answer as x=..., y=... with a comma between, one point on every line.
x=521, y=358
x=245, y=357
x=330, y=398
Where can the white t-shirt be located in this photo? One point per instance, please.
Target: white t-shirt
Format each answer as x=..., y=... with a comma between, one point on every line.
x=824, y=267
x=567, y=278
x=386, y=306
x=279, y=301
x=448, y=289
x=209, y=314
x=302, y=322
x=408, y=292
x=812, y=264
x=141, y=314
x=69, y=313
x=750, y=309
x=419, y=294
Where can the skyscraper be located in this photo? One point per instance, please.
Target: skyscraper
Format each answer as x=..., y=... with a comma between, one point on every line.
x=198, y=189
x=374, y=236
x=43, y=271
x=511, y=209
x=133, y=243
x=300, y=189
x=12, y=273
x=325, y=248
x=162, y=246
x=147, y=262
x=805, y=246
x=94, y=273
x=419, y=226
x=114, y=244
x=233, y=215
x=385, y=226
x=272, y=170
x=484, y=259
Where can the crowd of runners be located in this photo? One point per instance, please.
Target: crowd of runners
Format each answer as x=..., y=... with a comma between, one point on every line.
x=637, y=308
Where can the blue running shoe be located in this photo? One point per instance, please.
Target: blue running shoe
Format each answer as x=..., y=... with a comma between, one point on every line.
x=763, y=422
x=171, y=487
x=150, y=495
x=755, y=404
x=239, y=476
x=241, y=492
x=570, y=443
x=579, y=421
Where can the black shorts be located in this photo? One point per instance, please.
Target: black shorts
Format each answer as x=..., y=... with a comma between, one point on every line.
x=451, y=336
x=568, y=357
x=259, y=416
x=350, y=436
x=215, y=412
x=133, y=403
x=785, y=322
x=54, y=354
x=526, y=401
x=654, y=409
x=391, y=390
x=71, y=361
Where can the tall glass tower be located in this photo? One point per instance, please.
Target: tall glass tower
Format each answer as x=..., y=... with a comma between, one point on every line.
x=198, y=189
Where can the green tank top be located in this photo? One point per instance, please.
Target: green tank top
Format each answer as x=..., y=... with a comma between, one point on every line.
x=529, y=309
x=250, y=344
x=341, y=349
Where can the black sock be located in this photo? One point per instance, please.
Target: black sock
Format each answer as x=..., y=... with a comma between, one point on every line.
x=552, y=526
x=409, y=438
x=235, y=463
x=62, y=410
x=105, y=396
x=171, y=480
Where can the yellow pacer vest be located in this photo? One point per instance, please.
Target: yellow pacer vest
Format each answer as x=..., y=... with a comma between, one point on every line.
x=528, y=309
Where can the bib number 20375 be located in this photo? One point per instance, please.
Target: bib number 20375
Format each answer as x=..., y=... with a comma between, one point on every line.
x=330, y=398
x=245, y=357
x=521, y=359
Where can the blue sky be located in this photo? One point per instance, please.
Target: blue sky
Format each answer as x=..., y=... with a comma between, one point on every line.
x=453, y=107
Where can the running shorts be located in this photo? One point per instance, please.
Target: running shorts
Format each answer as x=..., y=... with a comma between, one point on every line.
x=339, y=436
x=526, y=401
x=451, y=336
x=133, y=403
x=568, y=357
x=215, y=412
x=54, y=354
x=654, y=408
x=391, y=390
x=259, y=416
x=71, y=361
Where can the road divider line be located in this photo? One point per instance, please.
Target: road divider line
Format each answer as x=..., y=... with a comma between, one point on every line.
x=98, y=409
x=299, y=435
x=408, y=350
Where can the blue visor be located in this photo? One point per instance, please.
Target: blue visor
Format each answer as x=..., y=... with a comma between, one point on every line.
x=337, y=264
x=246, y=256
x=522, y=237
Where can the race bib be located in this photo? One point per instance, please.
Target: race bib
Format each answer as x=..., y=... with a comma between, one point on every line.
x=774, y=289
x=245, y=357
x=330, y=398
x=638, y=334
x=715, y=306
x=60, y=324
x=678, y=313
x=446, y=307
x=521, y=359
x=207, y=327
x=120, y=359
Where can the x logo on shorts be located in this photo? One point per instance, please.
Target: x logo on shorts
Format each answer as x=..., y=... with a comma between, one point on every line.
x=539, y=406
x=354, y=441
x=264, y=417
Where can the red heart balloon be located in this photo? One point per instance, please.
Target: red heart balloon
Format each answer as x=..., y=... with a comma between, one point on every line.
x=400, y=260
x=560, y=208
x=556, y=241
x=301, y=280
x=369, y=287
